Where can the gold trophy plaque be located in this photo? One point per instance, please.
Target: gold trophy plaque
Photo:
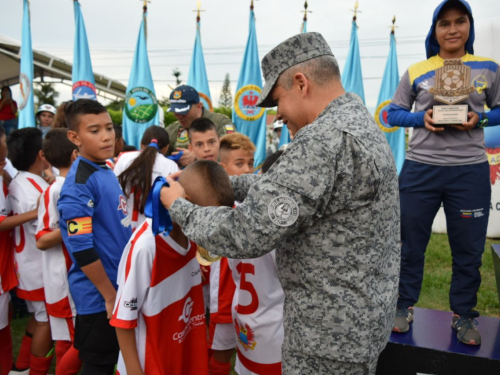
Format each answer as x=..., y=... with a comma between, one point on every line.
x=205, y=257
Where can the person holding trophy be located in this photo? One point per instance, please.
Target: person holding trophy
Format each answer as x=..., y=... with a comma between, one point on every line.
x=446, y=163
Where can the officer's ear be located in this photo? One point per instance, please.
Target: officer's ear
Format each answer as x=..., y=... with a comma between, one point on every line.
x=301, y=83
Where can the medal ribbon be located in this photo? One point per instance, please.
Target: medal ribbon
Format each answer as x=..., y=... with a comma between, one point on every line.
x=162, y=223
x=177, y=157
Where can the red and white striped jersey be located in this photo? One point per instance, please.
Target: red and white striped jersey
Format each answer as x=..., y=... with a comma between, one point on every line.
x=24, y=191
x=257, y=313
x=162, y=167
x=222, y=289
x=8, y=279
x=160, y=295
x=56, y=260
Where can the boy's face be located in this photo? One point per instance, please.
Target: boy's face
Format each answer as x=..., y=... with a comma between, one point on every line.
x=95, y=137
x=205, y=145
x=46, y=118
x=3, y=148
x=237, y=162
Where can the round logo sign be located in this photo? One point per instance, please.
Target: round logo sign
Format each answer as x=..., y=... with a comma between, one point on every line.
x=381, y=118
x=141, y=105
x=245, y=103
x=84, y=90
x=283, y=211
x=25, y=85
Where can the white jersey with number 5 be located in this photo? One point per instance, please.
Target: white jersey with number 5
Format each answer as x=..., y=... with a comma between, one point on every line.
x=257, y=313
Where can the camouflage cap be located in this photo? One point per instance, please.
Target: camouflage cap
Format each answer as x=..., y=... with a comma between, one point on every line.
x=293, y=51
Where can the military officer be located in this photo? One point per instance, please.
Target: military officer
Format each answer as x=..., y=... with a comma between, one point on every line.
x=330, y=208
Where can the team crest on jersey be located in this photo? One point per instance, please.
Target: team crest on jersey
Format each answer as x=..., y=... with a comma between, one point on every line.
x=127, y=220
x=132, y=304
x=246, y=336
x=186, y=311
x=78, y=226
x=90, y=203
x=480, y=83
x=182, y=135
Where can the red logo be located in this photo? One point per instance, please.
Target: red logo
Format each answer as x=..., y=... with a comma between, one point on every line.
x=123, y=205
x=249, y=102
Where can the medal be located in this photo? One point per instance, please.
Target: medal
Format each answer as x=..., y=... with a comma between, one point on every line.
x=205, y=257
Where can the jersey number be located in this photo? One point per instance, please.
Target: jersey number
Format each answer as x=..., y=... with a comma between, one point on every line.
x=244, y=269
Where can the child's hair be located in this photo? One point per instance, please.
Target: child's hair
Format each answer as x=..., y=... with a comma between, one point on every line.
x=74, y=110
x=2, y=131
x=270, y=160
x=118, y=131
x=201, y=125
x=24, y=146
x=60, y=120
x=128, y=148
x=236, y=141
x=58, y=148
x=215, y=179
x=137, y=177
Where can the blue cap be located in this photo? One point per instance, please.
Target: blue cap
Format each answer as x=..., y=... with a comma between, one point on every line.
x=182, y=98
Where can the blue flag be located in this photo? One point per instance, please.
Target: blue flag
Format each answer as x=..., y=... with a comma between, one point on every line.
x=83, y=78
x=26, y=117
x=248, y=118
x=395, y=135
x=197, y=73
x=141, y=109
x=352, y=77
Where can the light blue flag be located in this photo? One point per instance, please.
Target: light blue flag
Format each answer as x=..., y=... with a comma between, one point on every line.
x=390, y=81
x=83, y=77
x=26, y=117
x=197, y=73
x=141, y=109
x=352, y=77
x=249, y=119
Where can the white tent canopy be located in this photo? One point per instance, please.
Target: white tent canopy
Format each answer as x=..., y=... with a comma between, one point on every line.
x=49, y=66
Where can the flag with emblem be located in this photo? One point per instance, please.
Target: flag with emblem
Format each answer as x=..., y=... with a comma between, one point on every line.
x=82, y=75
x=395, y=135
x=26, y=103
x=248, y=118
x=352, y=77
x=197, y=72
x=141, y=109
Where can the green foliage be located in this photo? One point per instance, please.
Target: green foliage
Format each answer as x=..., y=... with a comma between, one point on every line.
x=116, y=116
x=177, y=74
x=226, y=99
x=116, y=105
x=225, y=111
x=169, y=117
x=46, y=93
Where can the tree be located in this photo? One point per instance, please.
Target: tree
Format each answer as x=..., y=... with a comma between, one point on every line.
x=46, y=93
x=226, y=99
x=177, y=74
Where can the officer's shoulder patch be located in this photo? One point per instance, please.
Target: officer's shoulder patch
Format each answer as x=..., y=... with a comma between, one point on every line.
x=283, y=211
x=230, y=128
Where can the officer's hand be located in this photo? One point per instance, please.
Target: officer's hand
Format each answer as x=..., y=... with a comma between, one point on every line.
x=429, y=122
x=168, y=195
x=187, y=156
x=473, y=120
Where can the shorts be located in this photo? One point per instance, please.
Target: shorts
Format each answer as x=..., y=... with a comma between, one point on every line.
x=39, y=310
x=4, y=309
x=222, y=336
x=62, y=329
x=96, y=339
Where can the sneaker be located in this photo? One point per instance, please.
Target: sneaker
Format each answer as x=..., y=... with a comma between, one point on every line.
x=16, y=371
x=404, y=316
x=466, y=330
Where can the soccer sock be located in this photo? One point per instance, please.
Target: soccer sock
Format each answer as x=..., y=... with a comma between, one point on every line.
x=70, y=364
x=6, y=358
x=40, y=366
x=23, y=359
x=217, y=368
x=61, y=348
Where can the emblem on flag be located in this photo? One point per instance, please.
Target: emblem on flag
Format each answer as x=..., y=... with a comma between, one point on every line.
x=25, y=85
x=141, y=105
x=245, y=103
x=381, y=117
x=84, y=90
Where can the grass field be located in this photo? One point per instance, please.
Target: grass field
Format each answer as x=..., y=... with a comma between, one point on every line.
x=435, y=289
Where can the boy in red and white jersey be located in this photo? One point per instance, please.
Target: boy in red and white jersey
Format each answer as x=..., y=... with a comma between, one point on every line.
x=25, y=151
x=159, y=307
x=60, y=152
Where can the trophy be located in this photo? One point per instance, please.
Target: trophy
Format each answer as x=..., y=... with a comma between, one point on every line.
x=205, y=257
x=452, y=86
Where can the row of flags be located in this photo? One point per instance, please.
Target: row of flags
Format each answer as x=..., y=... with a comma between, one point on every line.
x=141, y=108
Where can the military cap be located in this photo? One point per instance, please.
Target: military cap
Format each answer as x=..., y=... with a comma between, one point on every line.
x=293, y=51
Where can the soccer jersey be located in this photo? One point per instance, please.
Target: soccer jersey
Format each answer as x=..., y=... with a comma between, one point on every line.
x=8, y=279
x=222, y=289
x=24, y=191
x=56, y=261
x=92, y=215
x=257, y=312
x=162, y=167
x=160, y=297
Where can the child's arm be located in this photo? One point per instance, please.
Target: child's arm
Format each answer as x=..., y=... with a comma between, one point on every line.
x=97, y=274
x=49, y=240
x=128, y=347
x=14, y=221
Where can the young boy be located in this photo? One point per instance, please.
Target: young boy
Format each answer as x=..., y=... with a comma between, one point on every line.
x=25, y=151
x=95, y=228
x=203, y=139
x=237, y=154
x=159, y=308
x=60, y=152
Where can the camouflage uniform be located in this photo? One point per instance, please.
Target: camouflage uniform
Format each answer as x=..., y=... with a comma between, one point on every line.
x=330, y=208
x=179, y=136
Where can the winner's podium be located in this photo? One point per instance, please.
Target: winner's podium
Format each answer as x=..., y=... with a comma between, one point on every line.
x=431, y=347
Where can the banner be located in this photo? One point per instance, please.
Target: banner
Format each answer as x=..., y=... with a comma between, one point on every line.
x=249, y=119
x=197, y=72
x=83, y=77
x=352, y=77
x=492, y=144
x=26, y=117
x=141, y=109
x=395, y=135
